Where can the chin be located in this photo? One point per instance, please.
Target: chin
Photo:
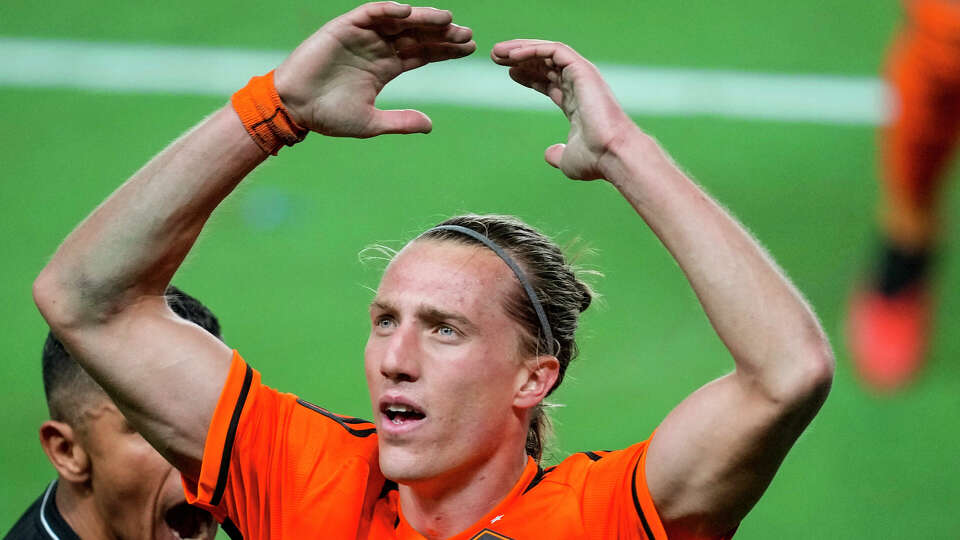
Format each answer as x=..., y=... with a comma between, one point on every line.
x=404, y=466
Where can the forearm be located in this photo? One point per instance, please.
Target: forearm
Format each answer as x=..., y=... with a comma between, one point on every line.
x=133, y=243
x=102, y=290
x=769, y=329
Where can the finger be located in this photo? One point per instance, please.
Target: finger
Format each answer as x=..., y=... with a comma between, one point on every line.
x=527, y=77
x=502, y=50
x=555, y=93
x=538, y=81
x=554, y=154
x=367, y=13
x=424, y=53
x=552, y=55
x=418, y=17
x=534, y=70
x=560, y=54
x=451, y=33
x=413, y=39
x=399, y=121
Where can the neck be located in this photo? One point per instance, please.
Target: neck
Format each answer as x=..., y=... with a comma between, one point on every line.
x=76, y=505
x=442, y=507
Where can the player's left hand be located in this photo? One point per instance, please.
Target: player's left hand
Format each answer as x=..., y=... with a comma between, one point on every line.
x=597, y=122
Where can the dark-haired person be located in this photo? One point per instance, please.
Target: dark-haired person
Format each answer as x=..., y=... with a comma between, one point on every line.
x=472, y=326
x=110, y=482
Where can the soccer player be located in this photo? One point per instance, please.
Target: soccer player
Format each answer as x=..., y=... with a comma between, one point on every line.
x=890, y=316
x=471, y=327
x=110, y=482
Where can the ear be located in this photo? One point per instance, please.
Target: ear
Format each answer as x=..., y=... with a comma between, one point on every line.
x=536, y=381
x=64, y=450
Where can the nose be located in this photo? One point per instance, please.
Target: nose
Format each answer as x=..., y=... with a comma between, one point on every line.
x=401, y=359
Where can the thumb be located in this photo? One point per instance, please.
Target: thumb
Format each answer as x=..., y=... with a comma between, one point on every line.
x=554, y=154
x=400, y=121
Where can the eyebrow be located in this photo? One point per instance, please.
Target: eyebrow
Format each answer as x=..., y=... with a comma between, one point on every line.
x=382, y=306
x=429, y=314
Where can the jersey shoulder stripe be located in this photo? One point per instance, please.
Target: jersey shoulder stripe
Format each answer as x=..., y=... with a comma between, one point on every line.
x=636, y=502
x=231, y=529
x=231, y=435
x=541, y=474
x=345, y=422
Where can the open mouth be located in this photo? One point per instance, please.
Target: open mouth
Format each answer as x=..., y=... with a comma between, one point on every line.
x=399, y=414
x=189, y=522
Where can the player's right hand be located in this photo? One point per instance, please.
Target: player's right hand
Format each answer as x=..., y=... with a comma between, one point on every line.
x=330, y=83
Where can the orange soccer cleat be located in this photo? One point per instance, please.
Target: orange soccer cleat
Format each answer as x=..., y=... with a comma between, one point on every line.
x=888, y=335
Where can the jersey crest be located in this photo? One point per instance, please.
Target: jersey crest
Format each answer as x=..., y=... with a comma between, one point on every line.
x=487, y=534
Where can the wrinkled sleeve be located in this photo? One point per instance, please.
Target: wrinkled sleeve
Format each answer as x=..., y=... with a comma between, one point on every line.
x=616, y=499
x=268, y=455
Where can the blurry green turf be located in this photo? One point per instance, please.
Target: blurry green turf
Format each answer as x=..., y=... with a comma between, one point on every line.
x=278, y=262
x=835, y=37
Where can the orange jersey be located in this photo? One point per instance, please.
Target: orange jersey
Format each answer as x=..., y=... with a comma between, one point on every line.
x=275, y=466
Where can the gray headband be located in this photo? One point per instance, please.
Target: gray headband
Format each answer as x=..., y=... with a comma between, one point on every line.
x=531, y=294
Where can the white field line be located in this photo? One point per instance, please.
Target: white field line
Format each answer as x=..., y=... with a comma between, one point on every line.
x=120, y=67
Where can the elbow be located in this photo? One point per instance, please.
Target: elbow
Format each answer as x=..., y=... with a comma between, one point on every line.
x=51, y=300
x=818, y=373
x=811, y=377
x=73, y=304
x=801, y=380
x=62, y=302
x=44, y=293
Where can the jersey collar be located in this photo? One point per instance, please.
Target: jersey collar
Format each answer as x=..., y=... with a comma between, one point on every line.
x=51, y=520
x=405, y=532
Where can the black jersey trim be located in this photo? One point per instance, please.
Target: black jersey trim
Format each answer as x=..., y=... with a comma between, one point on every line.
x=541, y=473
x=636, y=502
x=388, y=486
x=351, y=420
x=231, y=435
x=231, y=529
x=592, y=455
x=344, y=421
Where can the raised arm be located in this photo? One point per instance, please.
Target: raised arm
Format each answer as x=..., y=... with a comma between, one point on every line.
x=102, y=291
x=716, y=452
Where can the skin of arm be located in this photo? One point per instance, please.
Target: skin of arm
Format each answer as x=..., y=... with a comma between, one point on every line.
x=101, y=293
x=717, y=451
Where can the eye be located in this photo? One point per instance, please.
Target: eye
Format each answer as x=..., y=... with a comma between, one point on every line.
x=384, y=322
x=447, y=331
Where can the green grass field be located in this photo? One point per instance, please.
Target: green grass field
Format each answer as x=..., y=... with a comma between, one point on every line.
x=279, y=261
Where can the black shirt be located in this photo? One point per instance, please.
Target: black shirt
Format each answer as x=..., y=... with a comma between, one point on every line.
x=42, y=521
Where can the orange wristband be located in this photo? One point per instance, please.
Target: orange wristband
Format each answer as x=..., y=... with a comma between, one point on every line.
x=259, y=107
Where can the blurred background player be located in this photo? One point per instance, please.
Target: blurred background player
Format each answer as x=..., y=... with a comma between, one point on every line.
x=890, y=315
x=110, y=482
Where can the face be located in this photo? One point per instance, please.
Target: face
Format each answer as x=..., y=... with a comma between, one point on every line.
x=133, y=486
x=443, y=362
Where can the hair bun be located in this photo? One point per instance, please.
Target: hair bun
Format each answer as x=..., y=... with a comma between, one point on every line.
x=586, y=295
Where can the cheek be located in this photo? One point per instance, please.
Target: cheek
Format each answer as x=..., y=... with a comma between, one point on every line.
x=131, y=469
x=484, y=392
x=370, y=363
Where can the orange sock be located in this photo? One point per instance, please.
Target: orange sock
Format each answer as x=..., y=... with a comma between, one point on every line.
x=267, y=121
